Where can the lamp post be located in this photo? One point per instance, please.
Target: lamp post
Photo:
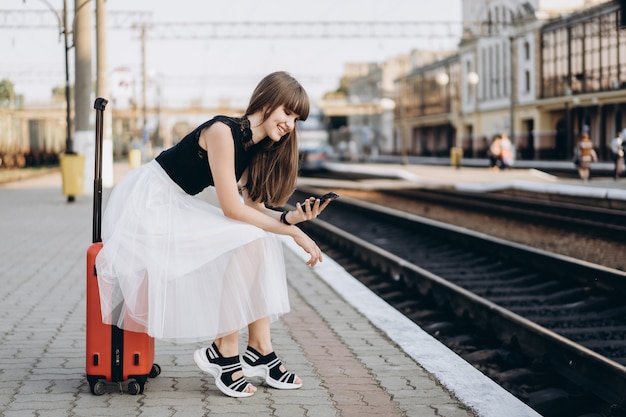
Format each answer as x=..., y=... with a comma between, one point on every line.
x=473, y=79
x=69, y=145
x=568, y=118
x=513, y=81
x=403, y=122
x=443, y=80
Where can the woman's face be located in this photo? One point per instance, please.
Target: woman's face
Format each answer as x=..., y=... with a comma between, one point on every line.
x=280, y=122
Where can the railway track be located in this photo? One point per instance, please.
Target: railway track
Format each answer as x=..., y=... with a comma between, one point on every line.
x=604, y=218
x=546, y=327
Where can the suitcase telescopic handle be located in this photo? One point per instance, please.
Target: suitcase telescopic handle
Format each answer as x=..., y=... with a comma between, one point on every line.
x=99, y=105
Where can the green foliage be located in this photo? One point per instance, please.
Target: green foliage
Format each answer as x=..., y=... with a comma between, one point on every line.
x=7, y=92
x=59, y=92
x=343, y=86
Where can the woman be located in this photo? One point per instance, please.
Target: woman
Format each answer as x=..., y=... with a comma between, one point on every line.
x=617, y=151
x=181, y=269
x=506, y=152
x=584, y=155
x=494, y=152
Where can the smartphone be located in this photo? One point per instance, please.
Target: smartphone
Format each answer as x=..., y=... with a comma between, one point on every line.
x=329, y=196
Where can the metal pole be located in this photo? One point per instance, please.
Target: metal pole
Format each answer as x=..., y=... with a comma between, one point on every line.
x=403, y=120
x=83, y=82
x=101, y=49
x=63, y=28
x=513, y=88
x=69, y=145
x=144, y=87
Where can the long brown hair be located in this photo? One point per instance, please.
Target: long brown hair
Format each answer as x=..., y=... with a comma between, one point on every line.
x=273, y=170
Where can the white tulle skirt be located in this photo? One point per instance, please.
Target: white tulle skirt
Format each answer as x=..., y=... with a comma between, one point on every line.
x=175, y=267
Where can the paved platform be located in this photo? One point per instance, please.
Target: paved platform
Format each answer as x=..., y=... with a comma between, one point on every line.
x=356, y=355
x=475, y=179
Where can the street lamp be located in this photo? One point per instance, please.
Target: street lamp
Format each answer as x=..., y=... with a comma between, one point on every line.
x=472, y=78
x=456, y=152
x=403, y=114
x=69, y=146
x=442, y=79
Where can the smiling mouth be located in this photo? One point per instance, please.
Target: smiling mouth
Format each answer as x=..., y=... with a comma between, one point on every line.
x=281, y=131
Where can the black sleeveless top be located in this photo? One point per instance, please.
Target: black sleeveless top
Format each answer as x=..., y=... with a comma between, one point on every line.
x=187, y=163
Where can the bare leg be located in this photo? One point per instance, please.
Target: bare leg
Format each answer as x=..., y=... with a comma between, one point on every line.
x=229, y=346
x=259, y=338
x=583, y=173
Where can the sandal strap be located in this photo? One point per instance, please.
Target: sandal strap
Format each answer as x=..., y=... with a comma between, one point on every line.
x=286, y=377
x=238, y=385
x=254, y=358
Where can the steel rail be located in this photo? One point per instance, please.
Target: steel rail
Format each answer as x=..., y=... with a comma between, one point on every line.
x=590, y=370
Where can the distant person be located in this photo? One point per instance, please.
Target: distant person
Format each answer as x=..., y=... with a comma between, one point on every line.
x=494, y=153
x=584, y=156
x=617, y=150
x=343, y=150
x=506, y=152
x=353, y=151
x=181, y=269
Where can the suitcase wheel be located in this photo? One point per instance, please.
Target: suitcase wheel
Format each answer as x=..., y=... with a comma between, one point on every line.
x=98, y=388
x=135, y=388
x=155, y=371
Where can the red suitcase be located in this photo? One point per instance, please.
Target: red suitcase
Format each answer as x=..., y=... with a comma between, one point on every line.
x=113, y=354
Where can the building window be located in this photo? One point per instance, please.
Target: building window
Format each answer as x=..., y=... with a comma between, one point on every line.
x=491, y=73
x=596, y=49
x=484, y=75
x=577, y=45
x=555, y=62
x=498, y=72
x=468, y=92
x=506, y=64
x=527, y=51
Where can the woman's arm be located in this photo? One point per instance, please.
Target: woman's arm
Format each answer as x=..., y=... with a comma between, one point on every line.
x=309, y=209
x=218, y=141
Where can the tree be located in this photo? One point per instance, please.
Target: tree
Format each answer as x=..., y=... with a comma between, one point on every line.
x=7, y=92
x=58, y=93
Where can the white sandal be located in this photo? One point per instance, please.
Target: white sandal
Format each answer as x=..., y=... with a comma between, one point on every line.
x=210, y=360
x=268, y=367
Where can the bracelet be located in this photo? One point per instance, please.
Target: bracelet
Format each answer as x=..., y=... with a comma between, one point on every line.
x=283, y=218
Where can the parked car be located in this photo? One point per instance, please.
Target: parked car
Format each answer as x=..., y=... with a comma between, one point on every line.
x=313, y=156
x=313, y=142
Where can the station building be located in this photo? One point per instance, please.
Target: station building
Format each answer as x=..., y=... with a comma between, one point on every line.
x=541, y=71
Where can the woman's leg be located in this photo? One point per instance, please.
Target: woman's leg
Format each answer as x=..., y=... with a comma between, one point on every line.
x=228, y=345
x=259, y=336
x=584, y=173
x=222, y=361
x=261, y=360
x=618, y=167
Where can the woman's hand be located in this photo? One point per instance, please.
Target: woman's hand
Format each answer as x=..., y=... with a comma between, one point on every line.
x=307, y=210
x=309, y=246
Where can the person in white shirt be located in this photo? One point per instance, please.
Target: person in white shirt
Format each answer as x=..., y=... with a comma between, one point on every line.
x=617, y=148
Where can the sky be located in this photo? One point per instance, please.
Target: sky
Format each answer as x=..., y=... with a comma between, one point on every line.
x=207, y=71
